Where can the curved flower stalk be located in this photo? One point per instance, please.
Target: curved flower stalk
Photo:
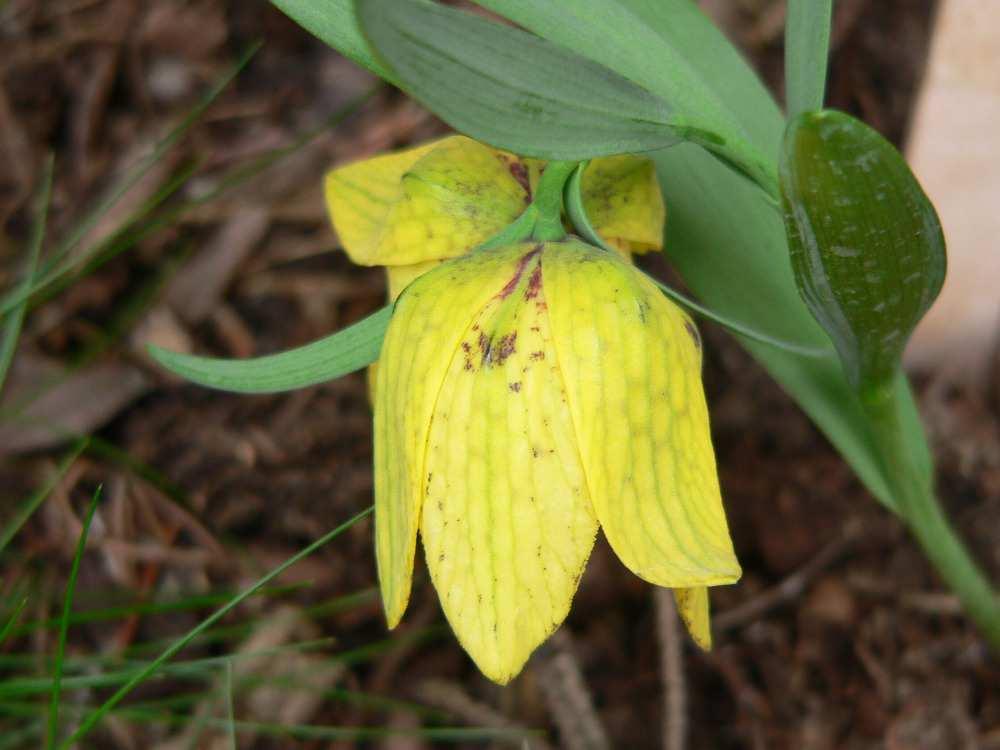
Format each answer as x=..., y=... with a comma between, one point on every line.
x=528, y=395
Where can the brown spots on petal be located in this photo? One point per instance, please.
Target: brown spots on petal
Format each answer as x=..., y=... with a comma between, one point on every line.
x=515, y=387
x=506, y=346
x=511, y=285
x=519, y=171
x=536, y=356
x=496, y=351
x=534, y=283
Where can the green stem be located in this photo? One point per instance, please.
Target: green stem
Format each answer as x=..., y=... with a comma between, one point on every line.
x=913, y=491
x=549, y=200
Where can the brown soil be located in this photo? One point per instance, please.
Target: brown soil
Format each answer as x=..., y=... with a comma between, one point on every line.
x=859, y=646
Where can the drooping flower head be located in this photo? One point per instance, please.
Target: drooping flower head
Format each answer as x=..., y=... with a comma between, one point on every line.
x=527, y=396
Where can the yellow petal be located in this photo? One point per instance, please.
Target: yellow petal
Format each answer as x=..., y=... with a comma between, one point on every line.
x=507, y=523
x=632, y=368
x=361, y=197
x=434, y=202
x=623, y=201
x=457, y=196
x=426, y=328
x=692, y=606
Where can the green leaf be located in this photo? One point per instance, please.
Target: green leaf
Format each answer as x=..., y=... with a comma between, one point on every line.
x=807, y=45
x=660, y=45
x=328, y=358
x=511, y=89
x=335, y=22
x=866, y=244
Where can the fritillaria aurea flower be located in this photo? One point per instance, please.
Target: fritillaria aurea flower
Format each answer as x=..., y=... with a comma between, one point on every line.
x=527, y=396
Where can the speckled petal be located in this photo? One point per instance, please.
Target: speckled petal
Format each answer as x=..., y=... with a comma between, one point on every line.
x=622, y=198
x=632, y=368
x=507, y=522
x=430, y=319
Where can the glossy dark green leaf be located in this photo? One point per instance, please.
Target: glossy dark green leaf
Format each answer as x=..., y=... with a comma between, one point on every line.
x=338, y=354
x=807, y=46
x=511, y=89
x=866, y=245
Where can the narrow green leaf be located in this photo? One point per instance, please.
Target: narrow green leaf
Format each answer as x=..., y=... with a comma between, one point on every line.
x=96, y=715
x=650, y=43
x=511, y=89
x=57, y=673
x=807, y=45
x=8, y=626
x=328, y=358
x=865, y=242
x=15, y=318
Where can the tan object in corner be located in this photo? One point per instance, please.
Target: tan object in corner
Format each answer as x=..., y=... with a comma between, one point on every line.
x=954, y=150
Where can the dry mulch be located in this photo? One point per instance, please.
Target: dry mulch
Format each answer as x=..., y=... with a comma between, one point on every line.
x=839, y=635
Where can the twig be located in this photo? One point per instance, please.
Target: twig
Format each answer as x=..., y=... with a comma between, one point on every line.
x=790, y=588
x=671, y=670
x=568, y=698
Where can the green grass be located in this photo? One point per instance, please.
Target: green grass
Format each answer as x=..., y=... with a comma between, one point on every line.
x=53, y=724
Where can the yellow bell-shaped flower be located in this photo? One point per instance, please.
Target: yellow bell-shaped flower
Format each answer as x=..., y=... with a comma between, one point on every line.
x=527, y=396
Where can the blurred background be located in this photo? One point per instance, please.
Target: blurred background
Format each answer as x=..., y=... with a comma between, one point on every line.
x=187, y=211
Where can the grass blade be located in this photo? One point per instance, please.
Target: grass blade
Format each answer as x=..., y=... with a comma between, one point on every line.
x=53, y=725
x=95, y=716
x=15, y=318
x=12, y=620
x=32, y=503
x=54, y=268
x=807, y=45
